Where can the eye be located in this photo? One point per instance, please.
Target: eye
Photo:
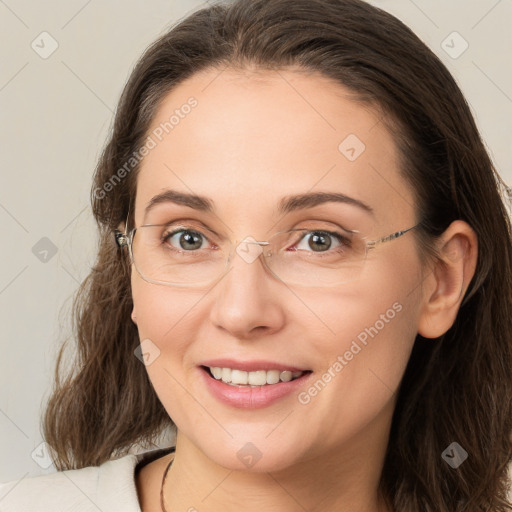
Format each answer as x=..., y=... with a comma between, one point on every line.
x=185, y=239
x=322, y=241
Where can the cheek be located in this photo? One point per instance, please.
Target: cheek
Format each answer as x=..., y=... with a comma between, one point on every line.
x=371, y=332
x=383, y=304
x=166, y=317
x=158, y=308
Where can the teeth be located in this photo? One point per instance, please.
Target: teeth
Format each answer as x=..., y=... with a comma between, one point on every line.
x=240, y=377
x=286, y=376
x=216, y=372
x=257, y=378
x=273, y=376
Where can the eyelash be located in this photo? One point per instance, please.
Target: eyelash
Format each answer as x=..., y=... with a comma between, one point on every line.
x=344, y=241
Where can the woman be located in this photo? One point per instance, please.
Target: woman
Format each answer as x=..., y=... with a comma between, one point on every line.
x=304, y=267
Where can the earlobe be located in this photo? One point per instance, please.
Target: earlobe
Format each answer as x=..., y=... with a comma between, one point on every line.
x=134, y=316
x=447, y=284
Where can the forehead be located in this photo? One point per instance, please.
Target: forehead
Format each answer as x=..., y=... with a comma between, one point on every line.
x=248, y=138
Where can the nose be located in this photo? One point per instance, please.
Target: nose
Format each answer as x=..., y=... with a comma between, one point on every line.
x=248, y=301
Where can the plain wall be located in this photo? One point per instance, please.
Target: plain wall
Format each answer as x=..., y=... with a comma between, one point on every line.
x=55, y=116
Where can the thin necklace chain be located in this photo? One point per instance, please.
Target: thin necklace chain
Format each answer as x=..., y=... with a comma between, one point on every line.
x=162, y=505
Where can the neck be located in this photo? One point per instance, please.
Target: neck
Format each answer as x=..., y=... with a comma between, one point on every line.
x=341, y=480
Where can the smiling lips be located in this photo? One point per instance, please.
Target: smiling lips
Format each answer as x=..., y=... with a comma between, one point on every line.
x=255, y=378
x=251, y=373
x=251, y=385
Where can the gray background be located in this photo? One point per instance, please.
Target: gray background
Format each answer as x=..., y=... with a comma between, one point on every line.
x=56, y=112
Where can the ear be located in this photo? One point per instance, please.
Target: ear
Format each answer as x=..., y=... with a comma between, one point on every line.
x=134, y=316
x=450, y=277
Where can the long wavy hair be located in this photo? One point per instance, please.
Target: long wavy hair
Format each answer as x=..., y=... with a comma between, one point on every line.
x=455, y=388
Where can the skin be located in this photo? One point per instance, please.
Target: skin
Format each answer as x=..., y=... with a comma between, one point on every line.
x=255, y=137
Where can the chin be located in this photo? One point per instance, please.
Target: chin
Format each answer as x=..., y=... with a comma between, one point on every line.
x=254, y=457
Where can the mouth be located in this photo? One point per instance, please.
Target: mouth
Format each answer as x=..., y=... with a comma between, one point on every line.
x=252, y=379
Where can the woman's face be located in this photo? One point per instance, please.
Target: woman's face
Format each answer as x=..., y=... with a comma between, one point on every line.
x=247, y=142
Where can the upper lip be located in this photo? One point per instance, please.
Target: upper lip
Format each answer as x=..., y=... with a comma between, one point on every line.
x=250, y=366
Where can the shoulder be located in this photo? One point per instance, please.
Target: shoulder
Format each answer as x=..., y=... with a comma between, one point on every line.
x=109, y=487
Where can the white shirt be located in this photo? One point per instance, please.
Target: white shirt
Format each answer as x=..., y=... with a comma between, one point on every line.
x=109, y=487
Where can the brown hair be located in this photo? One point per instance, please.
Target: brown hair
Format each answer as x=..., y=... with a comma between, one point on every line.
x=455, y=388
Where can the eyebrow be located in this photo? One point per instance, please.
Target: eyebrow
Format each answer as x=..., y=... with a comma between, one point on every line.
x=286, y=205
x=310, y=199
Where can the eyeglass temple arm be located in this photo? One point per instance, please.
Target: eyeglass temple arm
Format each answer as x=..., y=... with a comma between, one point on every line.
x=122, y=238
x=371, y=244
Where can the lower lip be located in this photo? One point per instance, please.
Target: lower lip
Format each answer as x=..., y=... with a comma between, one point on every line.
x=245, y=397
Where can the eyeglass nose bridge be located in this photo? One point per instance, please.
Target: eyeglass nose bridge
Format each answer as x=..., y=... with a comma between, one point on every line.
x=251, y=256
x=255, y=242
x=243, y=250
